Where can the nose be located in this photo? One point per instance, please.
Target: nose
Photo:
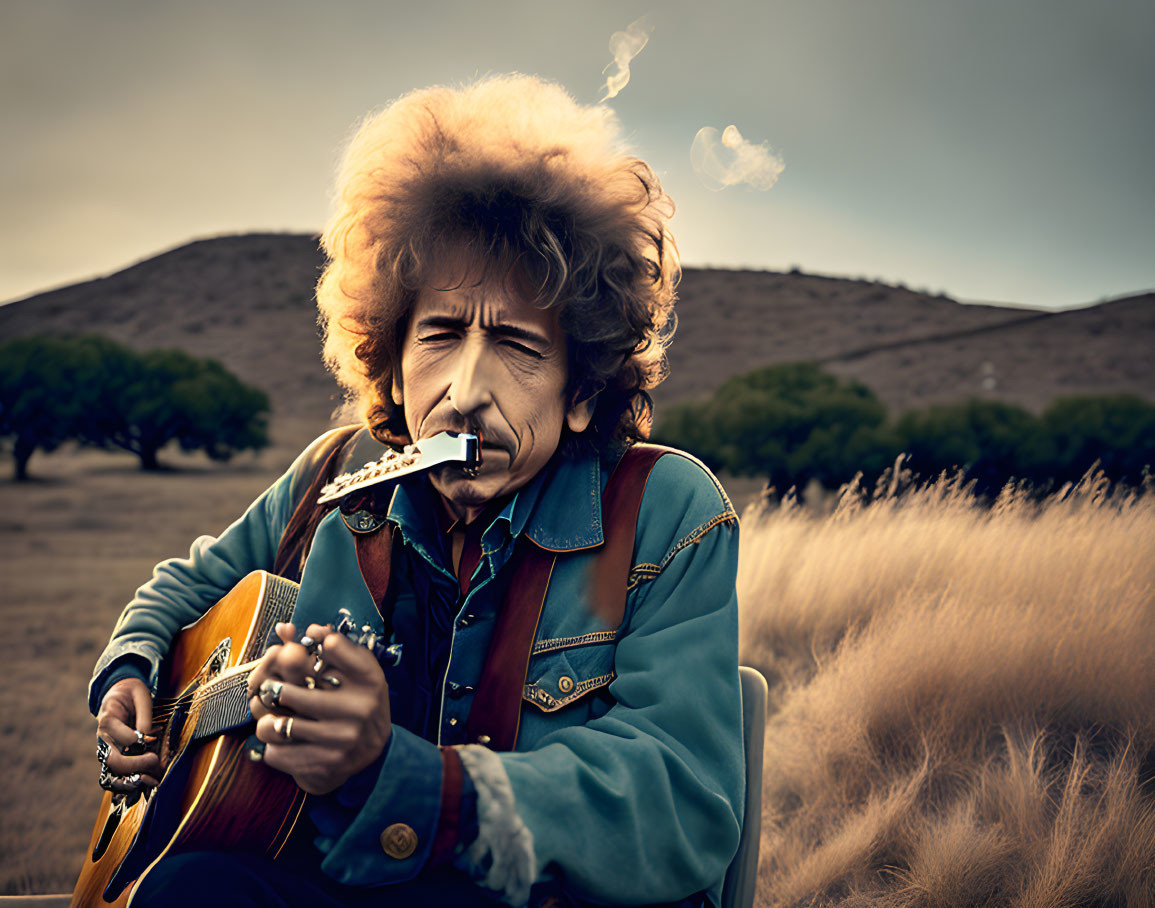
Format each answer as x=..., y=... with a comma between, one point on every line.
x=471, y=390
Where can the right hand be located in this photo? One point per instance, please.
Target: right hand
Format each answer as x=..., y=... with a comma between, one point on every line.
x=126, y=709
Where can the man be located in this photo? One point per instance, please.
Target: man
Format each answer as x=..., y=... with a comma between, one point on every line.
x=496, y=265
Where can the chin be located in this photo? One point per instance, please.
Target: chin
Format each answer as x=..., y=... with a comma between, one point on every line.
x=468, y=492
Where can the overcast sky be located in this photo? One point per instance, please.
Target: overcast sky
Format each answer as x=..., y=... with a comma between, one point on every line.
x=997, y=150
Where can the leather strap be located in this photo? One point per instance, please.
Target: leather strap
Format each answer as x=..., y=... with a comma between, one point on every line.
x=621, y=502
x=293, y=548
x=375, y=558
x=495, y=716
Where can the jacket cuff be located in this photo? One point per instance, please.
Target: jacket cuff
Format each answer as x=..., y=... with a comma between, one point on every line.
x=391, y=836
x=501, y=858
x=457, y=824
x=131, y=662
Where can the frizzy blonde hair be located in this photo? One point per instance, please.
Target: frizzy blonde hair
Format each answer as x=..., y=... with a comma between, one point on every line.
x=516, y=175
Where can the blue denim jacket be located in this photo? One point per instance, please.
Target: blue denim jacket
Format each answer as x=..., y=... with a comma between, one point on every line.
x=628, y=769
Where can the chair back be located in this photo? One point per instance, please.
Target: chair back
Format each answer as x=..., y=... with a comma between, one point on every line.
x=742, y=875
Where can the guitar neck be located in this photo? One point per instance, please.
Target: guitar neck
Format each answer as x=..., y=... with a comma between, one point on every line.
x=223, y=703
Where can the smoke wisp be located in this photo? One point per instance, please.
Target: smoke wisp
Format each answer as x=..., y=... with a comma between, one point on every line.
x=729, y=159
x=625, y=45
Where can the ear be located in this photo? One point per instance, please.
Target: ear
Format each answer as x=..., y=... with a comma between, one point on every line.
x=578, y=416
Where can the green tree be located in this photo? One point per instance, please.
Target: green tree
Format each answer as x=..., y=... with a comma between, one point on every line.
x=790, y=423
x=166, y=395
x=98, y=392
x=46, y=392
x=1116, y=430
x=990, y=441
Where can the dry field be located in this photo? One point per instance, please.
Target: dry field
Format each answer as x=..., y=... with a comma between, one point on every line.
x=962, y=699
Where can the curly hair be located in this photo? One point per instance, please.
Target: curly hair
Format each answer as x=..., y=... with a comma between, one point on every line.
x=529, y=185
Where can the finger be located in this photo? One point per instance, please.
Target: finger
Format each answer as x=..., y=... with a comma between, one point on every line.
x=295, y=730
x=321, y=703
x=116, y=732
x=286, y=631
x=293, y=663
x=357, y=664
x=146, y=764
x=142, y=703
x=264, y=668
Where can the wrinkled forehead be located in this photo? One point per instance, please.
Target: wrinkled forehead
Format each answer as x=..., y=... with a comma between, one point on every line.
x=489, y=305
x=465, y=282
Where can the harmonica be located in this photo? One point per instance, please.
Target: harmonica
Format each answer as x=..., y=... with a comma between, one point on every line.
x=435, y=451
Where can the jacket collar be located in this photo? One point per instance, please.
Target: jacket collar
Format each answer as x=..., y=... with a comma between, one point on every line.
x=560, y=509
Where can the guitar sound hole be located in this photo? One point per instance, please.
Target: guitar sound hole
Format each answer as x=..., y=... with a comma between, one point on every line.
x=110, y=825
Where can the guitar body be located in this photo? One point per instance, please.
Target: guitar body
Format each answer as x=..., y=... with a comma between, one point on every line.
x=212, y=797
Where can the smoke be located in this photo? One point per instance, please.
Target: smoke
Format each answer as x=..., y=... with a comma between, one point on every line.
x=731, y=159
x=625, y=45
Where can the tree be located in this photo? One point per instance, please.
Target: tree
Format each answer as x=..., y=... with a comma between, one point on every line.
x=166, y=395
x=791, y=423
x=990, y=441
x=98, y=392
x=1117, y=431
x=46, y=390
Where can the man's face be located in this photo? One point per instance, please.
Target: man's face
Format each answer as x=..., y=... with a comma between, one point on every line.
x=482, y=359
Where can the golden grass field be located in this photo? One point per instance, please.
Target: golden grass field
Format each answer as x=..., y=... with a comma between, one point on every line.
x=962, y=699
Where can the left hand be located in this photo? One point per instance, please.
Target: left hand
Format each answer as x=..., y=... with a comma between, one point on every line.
x=324, y=734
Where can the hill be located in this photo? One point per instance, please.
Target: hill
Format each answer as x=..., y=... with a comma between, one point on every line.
x=247, y=301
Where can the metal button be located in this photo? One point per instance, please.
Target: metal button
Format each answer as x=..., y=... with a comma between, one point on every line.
x=399, y=841
x=565, y=684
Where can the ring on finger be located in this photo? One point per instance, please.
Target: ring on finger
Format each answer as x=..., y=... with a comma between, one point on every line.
x=332, y=680
x=283, y=726
x=270, y=693
x=310, y=682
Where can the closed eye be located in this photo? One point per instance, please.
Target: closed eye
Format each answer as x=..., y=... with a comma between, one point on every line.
x=521, y=348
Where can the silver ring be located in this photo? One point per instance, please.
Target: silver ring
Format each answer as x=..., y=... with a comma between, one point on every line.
x=310, y=682
x=273, y=689
x=332, y=680
x=139, y=737
x=284, y=727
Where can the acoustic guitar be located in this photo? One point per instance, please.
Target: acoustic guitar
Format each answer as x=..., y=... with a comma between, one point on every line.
x=211, y=796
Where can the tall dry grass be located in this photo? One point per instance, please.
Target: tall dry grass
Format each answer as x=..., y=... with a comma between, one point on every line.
x=962, y=698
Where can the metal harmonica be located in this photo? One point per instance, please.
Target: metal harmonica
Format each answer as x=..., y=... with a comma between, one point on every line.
x=447, y=447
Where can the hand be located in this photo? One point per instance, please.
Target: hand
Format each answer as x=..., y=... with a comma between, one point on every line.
x=325, y=725
x=125, y=710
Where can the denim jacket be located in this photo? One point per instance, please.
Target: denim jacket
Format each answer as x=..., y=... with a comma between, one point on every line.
x=628, y=768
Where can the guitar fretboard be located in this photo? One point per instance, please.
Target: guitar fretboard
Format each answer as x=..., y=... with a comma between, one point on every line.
x=222, y=704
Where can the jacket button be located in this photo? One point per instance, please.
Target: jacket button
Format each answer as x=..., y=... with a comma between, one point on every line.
x=465, y=620
x=565, y=684
x=399, y=841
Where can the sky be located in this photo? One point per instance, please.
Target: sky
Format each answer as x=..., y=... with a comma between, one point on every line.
x=994, y=150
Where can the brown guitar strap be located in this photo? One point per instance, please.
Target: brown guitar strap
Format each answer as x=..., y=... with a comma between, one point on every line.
x=495, y=716
x=293, y=548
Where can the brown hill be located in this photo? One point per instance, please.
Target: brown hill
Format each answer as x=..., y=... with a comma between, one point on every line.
x=247, y=301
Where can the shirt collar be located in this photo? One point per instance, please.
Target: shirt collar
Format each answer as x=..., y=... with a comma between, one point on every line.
x=560, y=509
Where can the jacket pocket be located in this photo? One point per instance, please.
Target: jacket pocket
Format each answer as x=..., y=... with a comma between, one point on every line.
x=564, y=670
